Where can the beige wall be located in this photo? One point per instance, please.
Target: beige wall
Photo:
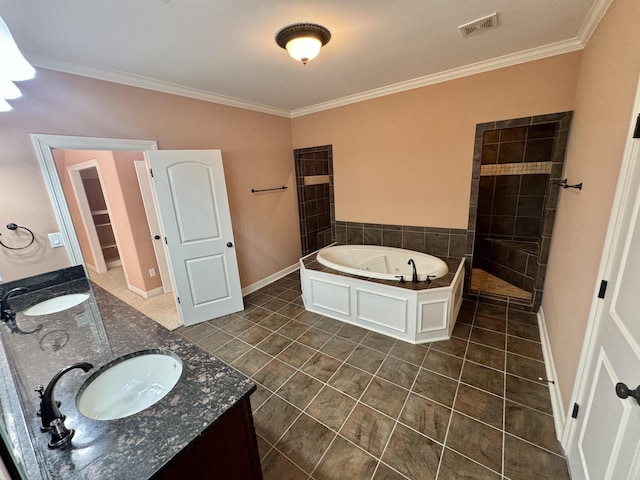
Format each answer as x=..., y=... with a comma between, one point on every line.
x=256, y=150
x=406, y=159
x=604, y=99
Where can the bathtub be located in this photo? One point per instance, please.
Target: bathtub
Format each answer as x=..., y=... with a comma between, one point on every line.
x=372, y=296
x=383, y=263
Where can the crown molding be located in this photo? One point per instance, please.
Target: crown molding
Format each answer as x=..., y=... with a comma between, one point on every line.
x=530, y=55
x=156, y=85
x=598, y=9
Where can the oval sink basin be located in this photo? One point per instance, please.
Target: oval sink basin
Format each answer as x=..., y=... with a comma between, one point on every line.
x=56, y=304
x=129, y=384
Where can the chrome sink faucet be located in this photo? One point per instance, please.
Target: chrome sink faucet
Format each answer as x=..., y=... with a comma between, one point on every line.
x=51, y=418
x=414, y=278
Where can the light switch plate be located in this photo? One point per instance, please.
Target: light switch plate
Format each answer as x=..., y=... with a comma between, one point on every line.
x=55, y=239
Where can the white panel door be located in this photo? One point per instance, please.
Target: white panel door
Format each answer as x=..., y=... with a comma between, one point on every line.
x=191, y=196
x=605, y=441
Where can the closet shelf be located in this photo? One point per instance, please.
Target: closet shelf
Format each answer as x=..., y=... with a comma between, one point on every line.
x=99, y=212
x=110, y=245
x=103, y=224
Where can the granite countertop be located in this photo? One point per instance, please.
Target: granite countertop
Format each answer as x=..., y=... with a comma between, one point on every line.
x=97, y=331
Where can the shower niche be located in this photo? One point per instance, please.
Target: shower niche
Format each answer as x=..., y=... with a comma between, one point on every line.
x=513, y=206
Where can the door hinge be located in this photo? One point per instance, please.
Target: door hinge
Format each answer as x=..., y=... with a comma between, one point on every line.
x=603, y=289
x=151, y=172
x=574, y=413
x=178, y=299
x=636, y=132
x=165, y=241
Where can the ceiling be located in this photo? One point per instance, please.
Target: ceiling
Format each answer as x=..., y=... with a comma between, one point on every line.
x=224, y=50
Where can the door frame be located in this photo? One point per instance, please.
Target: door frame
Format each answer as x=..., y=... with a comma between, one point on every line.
x=43, y=146
x=584, y=379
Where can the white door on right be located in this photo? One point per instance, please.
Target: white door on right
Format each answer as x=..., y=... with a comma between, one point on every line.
x=606, y=439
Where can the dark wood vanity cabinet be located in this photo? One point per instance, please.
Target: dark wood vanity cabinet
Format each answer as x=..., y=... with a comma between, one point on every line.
x=226, y=450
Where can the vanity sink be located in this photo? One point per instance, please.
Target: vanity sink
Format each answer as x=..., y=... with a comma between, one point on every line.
x=129, y=384
x=56, y=304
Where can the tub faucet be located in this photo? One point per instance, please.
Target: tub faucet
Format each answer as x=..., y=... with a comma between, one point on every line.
x=51, y=418
x=414, y=278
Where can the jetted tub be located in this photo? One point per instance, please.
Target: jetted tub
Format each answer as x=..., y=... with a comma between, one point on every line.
x=384, y=263
x=414, y=312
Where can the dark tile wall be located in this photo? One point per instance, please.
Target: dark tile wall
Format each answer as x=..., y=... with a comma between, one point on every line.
x=522, y=134
x=315, y=202
x=439, y=242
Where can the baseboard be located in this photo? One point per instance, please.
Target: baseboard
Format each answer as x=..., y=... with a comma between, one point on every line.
x=270, y=279
x=146, y=293
x=559, y=417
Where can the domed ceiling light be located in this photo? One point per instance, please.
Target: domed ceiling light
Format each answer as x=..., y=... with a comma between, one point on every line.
x=303, y=40
x=13, y=68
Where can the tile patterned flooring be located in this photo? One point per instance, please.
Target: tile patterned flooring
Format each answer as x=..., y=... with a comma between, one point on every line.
x=335, y=401
x=482, y=281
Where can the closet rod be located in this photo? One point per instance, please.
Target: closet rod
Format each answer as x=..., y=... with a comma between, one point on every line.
x=283, y=187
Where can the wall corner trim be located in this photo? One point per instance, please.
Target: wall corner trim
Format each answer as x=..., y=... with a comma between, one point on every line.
x=270, y=279
x=557, y=406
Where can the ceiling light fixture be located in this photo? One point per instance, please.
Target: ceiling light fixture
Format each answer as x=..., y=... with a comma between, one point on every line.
x=303, y=40
x=13, y=68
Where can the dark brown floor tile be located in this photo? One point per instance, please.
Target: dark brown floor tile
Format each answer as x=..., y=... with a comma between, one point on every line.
x=523, y=461
x=300, y=389
x=296, y=354
x=399, y=372
x=491, y=310
x=338, y=347
x=524, y=331
x=456, y=467
x=274, y=322
x=274, y=344
x=526, y=367
x=387, y=473
x=488, y=356
x=274, y=289
x=426, y=416
x=344, y=460
x=289, y=295
x=254, y=335
x=293, y=329
x=314, y=338
x=256, y=298
x=350, y=380
x=278, y=467
x=531, y=394
x=321, y=366
x=453, y=346
x=232, y=350
x=305, y=442
x=329, y=324
x=260, y=396
x=409, y=353
x=199, y=332
x=412, y=454
x=443, y=363
x=264, y=447
x=385, y=397
x=531, y=425
x=437, y=387
x=273, y=418
x=461, y=330
x=466, y=315
x=476, y=440
x=238, y=326
x=525, y=348
x=366, y=359
x=214, y=341
x=274, y=304
x=480, y=405
x=352, y=332
x=487, y=337
x=291, y=310
x=309, y=318
x=251, y=362
x=483, y=378
x=331, y=407
x=273, y=374
x=368, y=429
x=490, y=323
x=256, y=314
x=523, y=317
x=377, y=341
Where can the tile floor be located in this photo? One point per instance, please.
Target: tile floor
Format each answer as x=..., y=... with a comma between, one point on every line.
x=482, y=281
x=335, y=401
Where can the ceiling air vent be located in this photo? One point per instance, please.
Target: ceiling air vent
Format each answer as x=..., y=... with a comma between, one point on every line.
x=478, y=26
